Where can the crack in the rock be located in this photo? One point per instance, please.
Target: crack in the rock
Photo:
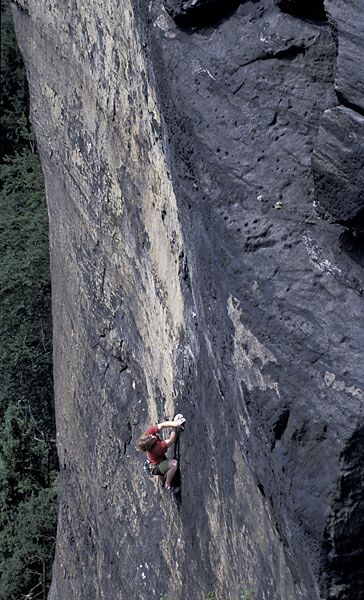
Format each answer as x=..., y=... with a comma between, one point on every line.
x=347, y=104
x=311, y=10
x=280, y=426
x=128, y=441
x=288, y=53
x=203, y=15
x=345, y=525
x=20, y=7
x=102, y=281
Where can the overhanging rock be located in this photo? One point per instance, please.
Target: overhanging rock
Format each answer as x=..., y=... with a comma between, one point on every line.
x=338, y=166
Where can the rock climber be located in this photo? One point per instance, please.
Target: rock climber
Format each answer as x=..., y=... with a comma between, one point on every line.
x=150, y=442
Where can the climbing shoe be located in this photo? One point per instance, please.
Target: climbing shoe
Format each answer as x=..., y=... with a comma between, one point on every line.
x=173, y=490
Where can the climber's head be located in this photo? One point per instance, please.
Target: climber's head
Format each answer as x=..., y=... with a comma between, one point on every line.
x=146, y=442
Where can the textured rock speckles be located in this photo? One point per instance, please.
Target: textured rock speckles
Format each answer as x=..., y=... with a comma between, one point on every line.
x=253, y=88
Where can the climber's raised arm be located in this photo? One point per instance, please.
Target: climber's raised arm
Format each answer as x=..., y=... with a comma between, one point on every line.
x=172, y=439
x=174, y=424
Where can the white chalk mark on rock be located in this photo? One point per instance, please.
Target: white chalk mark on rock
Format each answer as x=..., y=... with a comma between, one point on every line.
x=316, y=255
x=250, y=356
x=340, y=386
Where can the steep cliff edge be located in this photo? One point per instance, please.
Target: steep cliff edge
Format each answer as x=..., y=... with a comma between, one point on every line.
x=192, y=273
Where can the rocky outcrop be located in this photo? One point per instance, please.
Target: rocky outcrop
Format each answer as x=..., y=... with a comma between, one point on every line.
x=338, y=166
x=345, y=530
x=348, y=21
x=339, y=155
x=192, y=273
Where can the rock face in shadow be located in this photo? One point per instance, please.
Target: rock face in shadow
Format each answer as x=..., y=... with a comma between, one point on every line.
x=192, y=273
x=187, y=13
x=338, y=166
x=339, y=154
x=345, y=532
x=309, y=9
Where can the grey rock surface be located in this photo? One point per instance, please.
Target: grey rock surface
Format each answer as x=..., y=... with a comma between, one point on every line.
x=347, y=19
x=192, y=273
x=338, y=165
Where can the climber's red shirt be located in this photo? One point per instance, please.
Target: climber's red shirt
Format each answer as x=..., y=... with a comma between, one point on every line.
x=158, y=452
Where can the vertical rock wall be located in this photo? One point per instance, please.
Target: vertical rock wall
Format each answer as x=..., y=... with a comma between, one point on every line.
x=338, y=159
x=117, y=300
x=191, y=272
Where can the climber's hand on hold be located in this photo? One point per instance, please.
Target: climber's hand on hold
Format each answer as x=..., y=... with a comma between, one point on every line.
x=175, y=423
x=179, y=422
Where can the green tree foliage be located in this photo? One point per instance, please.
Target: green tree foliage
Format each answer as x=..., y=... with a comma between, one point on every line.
x=28, y=508
x=28, y=461
x=14, y=98
x=25, y=295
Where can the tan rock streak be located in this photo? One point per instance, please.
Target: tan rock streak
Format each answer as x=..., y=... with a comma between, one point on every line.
x=116, y=244
x=112, y=69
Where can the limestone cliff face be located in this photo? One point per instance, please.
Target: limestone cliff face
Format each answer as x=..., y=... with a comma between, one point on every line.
x=198, y=267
